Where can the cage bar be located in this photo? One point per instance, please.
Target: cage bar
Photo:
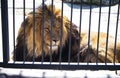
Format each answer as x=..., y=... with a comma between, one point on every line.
x=80, y=24
x=14, y=30
x=24, y=30
x=42, y=31
x=51, y=28
x=69, y=54
x=61, y=32
x=116, y=33
x=5, y=35
x=98, y=32
x=34, y=31
x=108, y=24
x=89, y=31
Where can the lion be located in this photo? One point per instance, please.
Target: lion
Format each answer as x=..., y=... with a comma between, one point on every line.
x=38, y=41
x=46, y=35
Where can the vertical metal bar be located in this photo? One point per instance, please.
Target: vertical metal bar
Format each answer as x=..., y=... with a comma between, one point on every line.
x=89, y=31
x=24, y=31
x=80, y=29
x=52, y=23
x=33, y=30
x=98, y=32
x=116, y=32
x=61, y=33
x=107, y=32
x=14, y=30
x=69, y=54
x=5, y=35
x=42, y=31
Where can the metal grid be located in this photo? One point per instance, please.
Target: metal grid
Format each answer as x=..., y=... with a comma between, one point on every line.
x=53, y=65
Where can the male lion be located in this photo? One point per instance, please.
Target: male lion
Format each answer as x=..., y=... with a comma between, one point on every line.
x=46, y=36
x=55, y=31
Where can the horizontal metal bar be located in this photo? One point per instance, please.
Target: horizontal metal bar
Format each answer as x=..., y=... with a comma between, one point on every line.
x=62, y=66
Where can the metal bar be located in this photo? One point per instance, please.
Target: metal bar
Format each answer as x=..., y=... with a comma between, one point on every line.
x=5, y=34
x=61, y=32
x=88, y=53
x=14, y=30
x=69, y=54
x=24, y=31
x=80, y=23
x=52, y=23
x=62, y=66
x=116, y=32
x=42, y=31
x=107, y=32
x=98, y=32
x=33, y=31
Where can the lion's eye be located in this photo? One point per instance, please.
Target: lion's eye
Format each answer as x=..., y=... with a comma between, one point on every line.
x=58, y=27
x=47, y=30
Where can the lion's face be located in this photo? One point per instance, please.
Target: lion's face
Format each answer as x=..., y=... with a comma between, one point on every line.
x=54, y=34
x=48, y=37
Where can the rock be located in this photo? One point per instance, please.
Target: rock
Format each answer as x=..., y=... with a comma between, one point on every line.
x=97, y=2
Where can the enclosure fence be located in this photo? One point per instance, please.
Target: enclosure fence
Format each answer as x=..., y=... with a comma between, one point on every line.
x=55, y=65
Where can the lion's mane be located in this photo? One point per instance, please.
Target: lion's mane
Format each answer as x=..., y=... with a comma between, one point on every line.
x=29, y=39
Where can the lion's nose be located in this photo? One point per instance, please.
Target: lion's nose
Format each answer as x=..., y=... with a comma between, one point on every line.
x=55, y=39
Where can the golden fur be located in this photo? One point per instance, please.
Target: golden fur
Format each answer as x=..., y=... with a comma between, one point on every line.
x=101, y=49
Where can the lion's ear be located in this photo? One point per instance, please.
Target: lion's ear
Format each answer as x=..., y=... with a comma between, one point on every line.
x=52, y=10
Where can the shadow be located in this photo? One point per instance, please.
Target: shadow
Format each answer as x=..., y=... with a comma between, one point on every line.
x=65, y=76
x=12, y=76
x=108, y=76
x=43, y=75
x=5, y=75
x=85, y=76
x=15, y=76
